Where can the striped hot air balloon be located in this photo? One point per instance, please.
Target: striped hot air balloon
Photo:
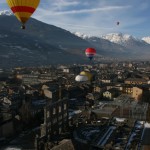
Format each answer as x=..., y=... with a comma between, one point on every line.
x=90, y=52
x=23, y=9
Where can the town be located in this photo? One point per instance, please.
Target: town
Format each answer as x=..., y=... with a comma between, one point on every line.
x=97, y=106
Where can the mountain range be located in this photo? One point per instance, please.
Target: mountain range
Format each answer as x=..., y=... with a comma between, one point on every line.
x=44, y=44
x=120, y=45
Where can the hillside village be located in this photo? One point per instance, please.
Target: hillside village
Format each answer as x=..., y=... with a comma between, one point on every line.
x=46, y=108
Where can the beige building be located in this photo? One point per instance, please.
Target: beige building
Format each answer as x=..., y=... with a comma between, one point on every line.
x=127, y=89
x=137, y=93
x=135, y=81
x=99, y=88
x=106, y=80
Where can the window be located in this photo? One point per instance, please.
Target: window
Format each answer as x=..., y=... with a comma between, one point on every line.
x=54, y=121
x=54, y=111
x=59, y=108
x=48, y=114
x=65, y=106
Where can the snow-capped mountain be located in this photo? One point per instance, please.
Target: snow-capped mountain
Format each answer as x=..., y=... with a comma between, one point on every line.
x=6, y=13
x=82, y=35
x=118, y=44
x=120, y=38
x=146, y=39
x=131, y=43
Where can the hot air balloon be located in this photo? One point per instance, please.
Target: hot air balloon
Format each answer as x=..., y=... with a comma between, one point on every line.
x=23, y=9
x=81, y=78
x=87, y=74
x=90, y=52
x=118, y=23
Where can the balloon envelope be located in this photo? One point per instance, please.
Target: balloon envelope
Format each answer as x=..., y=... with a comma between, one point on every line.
x=81, y=78
x=88, y=74
x=90, y=52
x=118, y=23
x=23, y=9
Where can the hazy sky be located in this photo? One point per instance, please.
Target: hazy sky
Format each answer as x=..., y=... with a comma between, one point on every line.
x=95, y=17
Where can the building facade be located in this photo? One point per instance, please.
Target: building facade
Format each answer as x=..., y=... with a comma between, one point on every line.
x=55, y=123
x=137, y=93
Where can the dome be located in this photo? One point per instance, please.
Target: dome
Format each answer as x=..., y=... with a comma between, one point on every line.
x=81, y=78
x=87, y=73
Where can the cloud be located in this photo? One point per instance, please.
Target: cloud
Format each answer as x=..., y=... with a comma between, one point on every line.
x=108, y=8
x=94, y=16
x=82, y=26
x=62, y=3
x=92, y=21
x=81, y=11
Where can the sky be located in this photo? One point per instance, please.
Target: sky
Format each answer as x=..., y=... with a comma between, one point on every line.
x=95, y=17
